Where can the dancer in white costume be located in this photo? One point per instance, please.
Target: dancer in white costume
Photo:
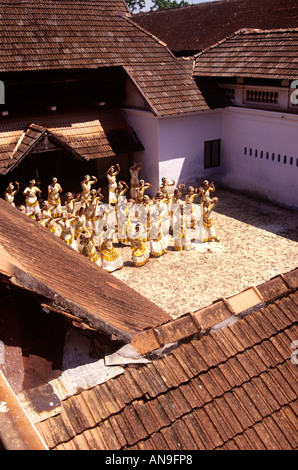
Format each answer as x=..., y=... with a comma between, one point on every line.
x=10, y=193
x=49, y=220
x=111, y=259
x=209, y=234
x=180, y=234
x=88, y=248
x=176, y=204
x=66, y=223
x=134, y=178
x=189, y=200
x=123, y=220
x=158, y=242
x=86, y=185
x=139, y=252
x=121, y=190
x=205, y=190
x=70, y=203
x=164, y=188
x=146, y=203
x=92, y=208
x=140, y=191
x=163, y=208
x=111, y=175
x=41, y=220
x=80, y=226
x=54, y=190
x=30, y=193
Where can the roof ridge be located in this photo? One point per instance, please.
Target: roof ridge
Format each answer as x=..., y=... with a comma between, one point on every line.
x=271, y=30
x=244, y=31
x=239, y=31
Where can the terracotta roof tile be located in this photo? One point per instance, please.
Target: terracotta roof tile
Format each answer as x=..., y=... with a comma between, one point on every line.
x=182, y=328
x=274, y=288
x=190, y=359
x=285, y=419
x=146, y=341
x=90, y=134
x=129, y=387
x=234, y=388
x=212, y=315
x=245, y=300
x=89, y=35
x=196, y=27
x=292, y=279
x=251, y=53
x=158, y=414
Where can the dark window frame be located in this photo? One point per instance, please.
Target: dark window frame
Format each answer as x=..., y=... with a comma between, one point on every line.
x=212, y=153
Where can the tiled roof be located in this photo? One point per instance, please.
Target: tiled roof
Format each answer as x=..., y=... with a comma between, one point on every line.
x=197, y=27
x=232, y=387
x=251, y=53
x=62, y=34
x=68, y=281
x=87, y=134
x=70, y=34
x=169, y=86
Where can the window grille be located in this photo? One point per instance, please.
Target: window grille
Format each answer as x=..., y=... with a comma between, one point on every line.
x=262, y=96
x=230, y=93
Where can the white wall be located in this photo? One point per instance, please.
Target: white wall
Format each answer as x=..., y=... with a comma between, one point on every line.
x=145, y=125
x=174, y=147
x=181, y=146
x=266, y=131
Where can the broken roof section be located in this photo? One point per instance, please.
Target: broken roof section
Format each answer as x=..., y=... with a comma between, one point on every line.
x=69, y=283
x=87, y=135
x=51, y=35
x=232, y=387
x=251, y=53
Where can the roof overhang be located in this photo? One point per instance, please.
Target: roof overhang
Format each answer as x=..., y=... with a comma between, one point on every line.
x=32, y=258
x=85, y=134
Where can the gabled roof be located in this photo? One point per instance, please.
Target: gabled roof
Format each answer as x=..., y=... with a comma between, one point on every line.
x=72, y=34
x=169, y=88
x=196, y=27
x=251, y=53
x=68, y=281
x=88, y=134
x=232, y=387
x=29, y=141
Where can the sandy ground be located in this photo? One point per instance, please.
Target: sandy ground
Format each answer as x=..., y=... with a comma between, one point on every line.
x=258, y=241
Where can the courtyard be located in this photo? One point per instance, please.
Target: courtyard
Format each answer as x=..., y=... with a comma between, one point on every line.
x=258, y=240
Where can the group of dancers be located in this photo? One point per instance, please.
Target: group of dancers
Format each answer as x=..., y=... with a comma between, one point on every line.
x=90, y=226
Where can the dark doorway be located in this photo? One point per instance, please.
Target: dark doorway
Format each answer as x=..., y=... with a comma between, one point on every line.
x=42, y=167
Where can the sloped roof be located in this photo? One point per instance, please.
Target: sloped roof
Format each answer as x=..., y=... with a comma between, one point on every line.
x=233, y=387
x=197, y=27
x=169, y=87
x=251, y=53
x=68, y=281
x=72, y=34
x=87, y=134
